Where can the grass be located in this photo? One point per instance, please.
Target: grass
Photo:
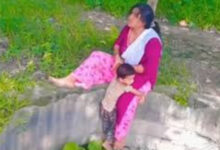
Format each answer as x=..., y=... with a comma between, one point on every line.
x=175, y=73
x=117, y=8
x=204, y=14
x=52, y=32
x=10, y=89
x=200, y=13
x=93, y=145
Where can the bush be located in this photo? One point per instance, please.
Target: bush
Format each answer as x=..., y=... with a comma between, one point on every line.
x=93, y=145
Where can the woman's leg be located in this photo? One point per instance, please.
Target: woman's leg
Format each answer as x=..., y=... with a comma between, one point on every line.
x=68, y=81
x=126, y=110
x=96, y=69
x=123, y=127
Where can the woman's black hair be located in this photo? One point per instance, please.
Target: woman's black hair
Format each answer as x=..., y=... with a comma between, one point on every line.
x=147, y=16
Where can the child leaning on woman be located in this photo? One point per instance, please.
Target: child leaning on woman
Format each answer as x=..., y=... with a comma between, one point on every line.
x=119, y=85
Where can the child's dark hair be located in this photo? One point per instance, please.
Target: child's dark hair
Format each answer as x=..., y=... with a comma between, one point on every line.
x=125, y=70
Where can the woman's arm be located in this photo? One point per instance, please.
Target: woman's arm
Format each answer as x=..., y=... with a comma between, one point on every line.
x=151, y=60
x=120, y=38
x=118, y=62
x=116, y=49
x=118, y=59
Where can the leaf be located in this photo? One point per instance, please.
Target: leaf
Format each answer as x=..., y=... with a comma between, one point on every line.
x=71, y=146
x=94, y=145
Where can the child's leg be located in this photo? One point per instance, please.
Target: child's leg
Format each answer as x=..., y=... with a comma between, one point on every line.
x=108, y=122
x=111, y=126
x=105, y=122
x=107, y=145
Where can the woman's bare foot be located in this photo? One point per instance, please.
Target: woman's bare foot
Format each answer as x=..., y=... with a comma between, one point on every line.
x=62, y=82
x=107, y=145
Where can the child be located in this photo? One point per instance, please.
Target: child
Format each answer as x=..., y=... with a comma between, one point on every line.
x=125, y=77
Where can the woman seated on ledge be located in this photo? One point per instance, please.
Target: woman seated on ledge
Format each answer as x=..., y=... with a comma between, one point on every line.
x=139, y=45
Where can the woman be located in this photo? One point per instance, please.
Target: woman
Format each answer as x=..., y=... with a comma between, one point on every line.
x=145, y=58
x=139, y=45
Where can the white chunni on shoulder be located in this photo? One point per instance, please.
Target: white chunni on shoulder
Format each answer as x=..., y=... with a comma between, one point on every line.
x=134, y=53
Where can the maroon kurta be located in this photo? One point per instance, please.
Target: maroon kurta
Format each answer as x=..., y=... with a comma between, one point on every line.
x=150, y=62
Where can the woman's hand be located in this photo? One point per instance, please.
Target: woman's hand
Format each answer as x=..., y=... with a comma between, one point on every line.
x=139, y=68
x=118, y=61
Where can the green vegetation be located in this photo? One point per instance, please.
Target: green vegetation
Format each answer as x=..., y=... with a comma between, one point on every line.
x=53, y=33
x=175, y=73
x=10, y=90
x=118, y=8
x=50, y=32
x=198, y=13
x=94, y=145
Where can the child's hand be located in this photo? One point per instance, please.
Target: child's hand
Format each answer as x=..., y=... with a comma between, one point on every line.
x=142, y=99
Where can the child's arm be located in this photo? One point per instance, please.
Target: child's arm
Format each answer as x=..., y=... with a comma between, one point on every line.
x=141, y=95
x=136, y=92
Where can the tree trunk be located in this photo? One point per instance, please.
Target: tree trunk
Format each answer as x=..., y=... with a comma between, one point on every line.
x=153, y=4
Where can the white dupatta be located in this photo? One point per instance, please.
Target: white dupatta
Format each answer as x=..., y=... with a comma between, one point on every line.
x=134, y=53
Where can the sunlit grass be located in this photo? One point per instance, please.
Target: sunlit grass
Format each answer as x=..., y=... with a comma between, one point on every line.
x=175, y=73
x=52, y=32
x=200, y=13
x=204, y=14
x=10, y=89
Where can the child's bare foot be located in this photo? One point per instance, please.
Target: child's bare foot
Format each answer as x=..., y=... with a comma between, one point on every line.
x=119, y=145
x=107, y=145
